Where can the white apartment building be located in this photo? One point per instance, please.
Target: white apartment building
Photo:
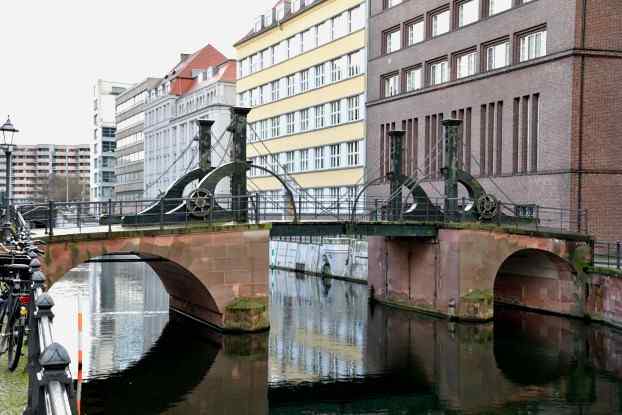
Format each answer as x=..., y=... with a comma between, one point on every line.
x=104, y=132
x=201, y=86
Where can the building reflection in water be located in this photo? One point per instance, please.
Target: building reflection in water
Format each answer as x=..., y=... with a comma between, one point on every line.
x=329, y=352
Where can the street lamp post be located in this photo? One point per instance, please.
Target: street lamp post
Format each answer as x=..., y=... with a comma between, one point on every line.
x=8, y=131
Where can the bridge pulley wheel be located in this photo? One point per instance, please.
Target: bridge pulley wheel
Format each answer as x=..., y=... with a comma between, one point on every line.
x=487, y=207
x=199, y=203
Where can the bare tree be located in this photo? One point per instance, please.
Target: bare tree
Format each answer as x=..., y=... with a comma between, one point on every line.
x=60, y=188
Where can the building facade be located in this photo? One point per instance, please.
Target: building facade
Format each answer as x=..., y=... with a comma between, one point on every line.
x=103, y=144
x=130, y=150
x=34, y=165
x=201, y=86
x=535, y=82
x=302, y=71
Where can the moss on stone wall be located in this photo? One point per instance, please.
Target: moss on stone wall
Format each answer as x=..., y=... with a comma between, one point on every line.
x=247, y=314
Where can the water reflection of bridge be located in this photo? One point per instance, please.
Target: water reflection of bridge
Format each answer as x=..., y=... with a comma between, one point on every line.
x=329, y=352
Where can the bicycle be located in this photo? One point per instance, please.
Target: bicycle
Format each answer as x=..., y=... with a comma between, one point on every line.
x=15, y=314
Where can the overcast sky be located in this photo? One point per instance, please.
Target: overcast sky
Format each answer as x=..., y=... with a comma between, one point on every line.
x=53, y=51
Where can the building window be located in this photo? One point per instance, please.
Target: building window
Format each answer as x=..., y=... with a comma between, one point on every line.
x=335, y=70
x=319, y=116
x=353, y=153
x=468, y=12
x=335, y=113
x=109, y=132
x=391, y=85
x=335, y=156
x=439, y=72
x=466, y=65
x=291, y=86
x=319, y=158
x=415, y=31
x=291, y=122
x=319, y=76
x=274, y=122
x=276, y=90
x=392, y=40
x=497, y=55
x=354, y=112
x=304, y=160
x=304, y=119
x=414, y=79
x=440, y=22
x=355, y=63
x=288, y=166
x=304, y=81
x=391, y=3
x=532, y=45
x=498, y=6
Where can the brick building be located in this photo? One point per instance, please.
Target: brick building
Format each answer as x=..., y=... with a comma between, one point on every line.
x=536, y=83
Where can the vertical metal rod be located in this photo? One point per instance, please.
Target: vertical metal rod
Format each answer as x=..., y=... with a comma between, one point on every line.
x=109, y=215
x=161, y=213
x=51, y=218
x=618, y=254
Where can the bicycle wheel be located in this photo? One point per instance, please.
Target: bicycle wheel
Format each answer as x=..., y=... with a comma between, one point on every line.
x=4, y=328
x=16, y=340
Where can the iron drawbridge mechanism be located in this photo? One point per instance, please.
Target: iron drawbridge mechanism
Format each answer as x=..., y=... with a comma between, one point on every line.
x=477, y=206
x=204, y=203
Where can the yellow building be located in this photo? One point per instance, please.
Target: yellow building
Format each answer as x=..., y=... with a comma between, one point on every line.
x=302, y=71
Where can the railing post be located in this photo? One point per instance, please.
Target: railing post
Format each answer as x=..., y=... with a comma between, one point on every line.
x=212, y=204
x=51, y=218
x=79, y=216
x=618, y=254
x=109, y=215
x=257, y=212
x=161, y=213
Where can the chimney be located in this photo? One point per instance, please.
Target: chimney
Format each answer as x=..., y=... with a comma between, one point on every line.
x=184, y=56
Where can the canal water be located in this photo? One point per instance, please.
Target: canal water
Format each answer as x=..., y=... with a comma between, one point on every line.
x=328, y=352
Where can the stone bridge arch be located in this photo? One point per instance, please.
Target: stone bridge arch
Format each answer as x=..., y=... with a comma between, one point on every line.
x=529, y=270
x=461, y=272
x=219, y=277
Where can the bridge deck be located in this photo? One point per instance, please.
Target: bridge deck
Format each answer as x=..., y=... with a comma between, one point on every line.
x=311, y=228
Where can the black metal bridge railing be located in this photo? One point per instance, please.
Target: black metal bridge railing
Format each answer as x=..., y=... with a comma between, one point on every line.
x=262, y=208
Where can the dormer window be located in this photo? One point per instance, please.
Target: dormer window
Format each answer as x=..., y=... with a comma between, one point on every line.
x=280, y=11
x=258, y=24
x=296, y=5
x=268, y=19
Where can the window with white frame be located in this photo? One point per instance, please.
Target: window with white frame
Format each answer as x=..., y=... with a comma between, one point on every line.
x=319, y=158
x=440, y=23
x=355, y=63
x=274, y=163
x=335, y=156
x=468, y=12
x=319, y=116
x=335, y=70
x=276, y=90
x=335, y=113
x=414, y=79
x=353, y=153
x=466, y=65
x=304, y=80
x=356, y=19
x=439, y=72
x=319, y=75
x=391, y=3
x=308, y=39
x=415, y=31
x=275, y=126
x=392, y=40
x=304, y=160
x=288, y=166
x=497, y=56
x=291, y=122
x=304, y=119
x=391, y=85
x=291, y=85
x=532, y=45
x=498, y=6
x=354, y=112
